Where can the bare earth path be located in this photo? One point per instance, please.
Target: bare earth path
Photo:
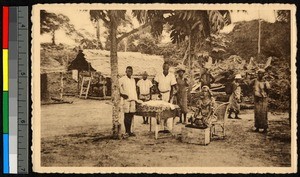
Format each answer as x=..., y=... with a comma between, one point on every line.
x=77, y=135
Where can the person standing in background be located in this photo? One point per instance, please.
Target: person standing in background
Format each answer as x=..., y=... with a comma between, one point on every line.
x=261, y=88
x=182, y=86
x=206, y=78
x=166, y=84
x=235, y=97
x=129, y=97
x=144, y=91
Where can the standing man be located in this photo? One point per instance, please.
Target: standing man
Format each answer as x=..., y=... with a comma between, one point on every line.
x=129, y=97
x=144, y=91
x=166, y=84
x=206, y=78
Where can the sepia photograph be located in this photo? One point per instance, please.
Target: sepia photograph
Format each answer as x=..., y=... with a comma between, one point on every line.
x=164, y=88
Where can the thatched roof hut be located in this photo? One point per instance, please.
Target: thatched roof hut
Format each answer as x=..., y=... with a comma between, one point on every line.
x=100, y=60
x=50, y=65
x=80, y=63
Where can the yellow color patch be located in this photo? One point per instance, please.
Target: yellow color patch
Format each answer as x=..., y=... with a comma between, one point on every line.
x=5, y=69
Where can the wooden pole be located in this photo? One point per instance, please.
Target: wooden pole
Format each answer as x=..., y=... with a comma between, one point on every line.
x=259, y=36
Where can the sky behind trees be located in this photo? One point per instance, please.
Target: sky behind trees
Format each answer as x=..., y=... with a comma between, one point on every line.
x=81, y=20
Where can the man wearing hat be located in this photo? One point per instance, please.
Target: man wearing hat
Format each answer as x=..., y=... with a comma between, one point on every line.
x=235, y=97
x=144, y=91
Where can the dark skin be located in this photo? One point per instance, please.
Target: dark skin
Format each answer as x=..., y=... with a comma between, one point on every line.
x=145, y=76
x=206, y=72
x=180, y=74
x=129, y=72
x=261, y=78
x=166, y=72
x=138, y=89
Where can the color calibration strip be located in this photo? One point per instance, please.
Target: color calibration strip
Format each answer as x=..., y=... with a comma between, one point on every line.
x=5, y=116
x=15, y=90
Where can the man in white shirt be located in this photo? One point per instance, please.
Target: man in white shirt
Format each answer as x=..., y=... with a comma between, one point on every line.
x=129, y=97
x=144, y=91
x=166, y=84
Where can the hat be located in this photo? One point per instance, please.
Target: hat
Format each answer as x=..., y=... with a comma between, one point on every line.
x=238, y=76
x=205, y=87
x=145, y=73
x=180, y=68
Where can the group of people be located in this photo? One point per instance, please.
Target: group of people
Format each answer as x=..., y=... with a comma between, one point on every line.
x=261, y=88
x=169, y=87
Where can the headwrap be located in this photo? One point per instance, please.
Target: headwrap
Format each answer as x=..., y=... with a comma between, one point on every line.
x=180, y=67
x=207, y=88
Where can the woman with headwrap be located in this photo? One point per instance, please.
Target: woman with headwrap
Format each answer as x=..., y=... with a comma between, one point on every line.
x=204, y=114
x=261, y=88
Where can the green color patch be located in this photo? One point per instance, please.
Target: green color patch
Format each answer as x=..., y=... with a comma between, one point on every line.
x=5, y=112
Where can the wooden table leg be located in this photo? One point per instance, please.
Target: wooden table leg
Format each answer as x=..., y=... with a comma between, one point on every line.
x=156, y=127
x=173, y=125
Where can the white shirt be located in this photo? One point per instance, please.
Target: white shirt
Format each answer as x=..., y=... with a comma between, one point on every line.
x=165, y=82
x=144, y=86
x=127, y=87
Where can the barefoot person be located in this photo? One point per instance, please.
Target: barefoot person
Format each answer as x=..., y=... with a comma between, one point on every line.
x=261, y=88
x=144, y=91
x=182, y=94
x=235, y=97
x=166, y=84
x=129, y=97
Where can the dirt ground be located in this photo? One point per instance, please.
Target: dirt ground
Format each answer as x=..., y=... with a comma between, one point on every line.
x=78, y=135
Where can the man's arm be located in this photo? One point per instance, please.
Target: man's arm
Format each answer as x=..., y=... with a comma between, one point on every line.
x=150, y=89
x=122, y=92
x=156, y=84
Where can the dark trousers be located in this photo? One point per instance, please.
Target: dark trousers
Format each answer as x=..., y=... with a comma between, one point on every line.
x=128, y=121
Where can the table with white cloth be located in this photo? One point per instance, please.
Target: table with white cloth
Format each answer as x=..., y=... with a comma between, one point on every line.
x=158, y=109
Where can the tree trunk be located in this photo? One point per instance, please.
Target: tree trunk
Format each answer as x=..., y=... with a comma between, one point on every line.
x=190, y=69
x=99, y=45
x=44, y=88
x=259, y=38
x=115, y=95
x=53, y=37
